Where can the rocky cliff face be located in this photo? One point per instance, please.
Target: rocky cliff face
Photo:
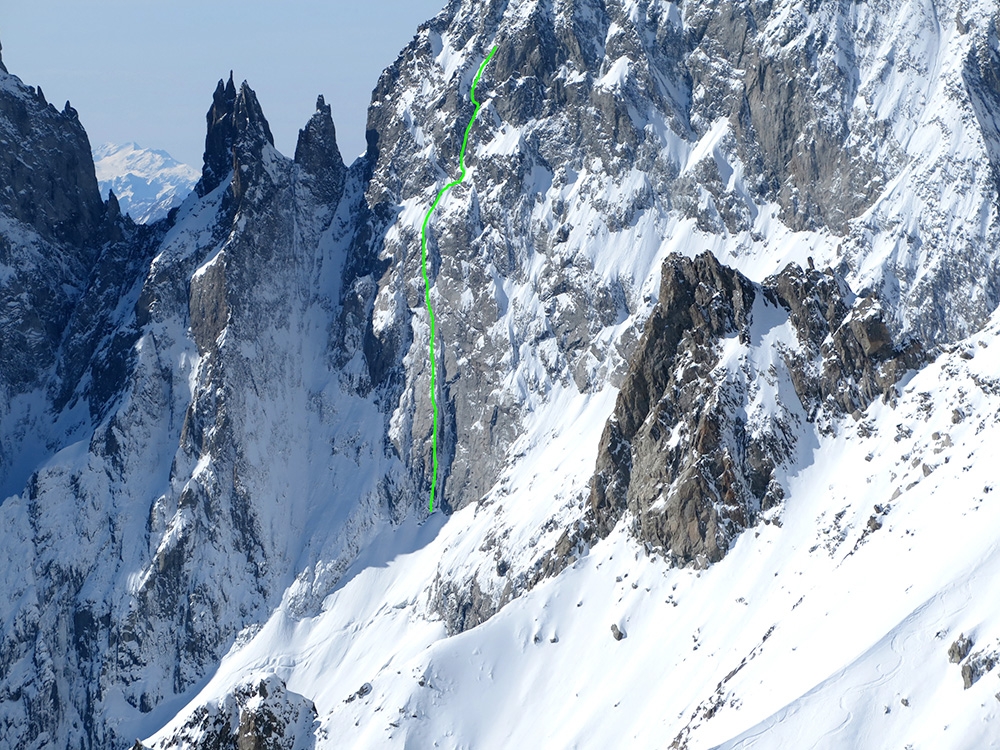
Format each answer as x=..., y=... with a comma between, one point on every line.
x=618, y=132
x=207, y=420
x=261, y=715
x=726, y=377
x=162, y=375
x=608, y=123
x=54, y=226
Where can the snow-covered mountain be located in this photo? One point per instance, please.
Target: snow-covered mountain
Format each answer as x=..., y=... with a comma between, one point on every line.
x=717, y=323
x=147, y=183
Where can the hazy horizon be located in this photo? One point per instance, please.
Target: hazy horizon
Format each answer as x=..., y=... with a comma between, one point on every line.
x=145, y=73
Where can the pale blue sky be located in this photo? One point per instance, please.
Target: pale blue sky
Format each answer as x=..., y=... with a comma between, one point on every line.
x=145, y=71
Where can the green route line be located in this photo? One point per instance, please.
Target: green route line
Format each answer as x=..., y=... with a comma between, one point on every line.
x=427, y=281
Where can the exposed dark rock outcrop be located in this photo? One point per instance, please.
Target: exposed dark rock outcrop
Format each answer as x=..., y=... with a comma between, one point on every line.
x=959, y=649
x=319, y=156
x=54, y=229
x=981, y=76
x=237, y=132
x=218, y=158
x=681, y=453
x=259, y=715
x=237, y=135
x=47, y=178
x=977, y=665
x=465, y=606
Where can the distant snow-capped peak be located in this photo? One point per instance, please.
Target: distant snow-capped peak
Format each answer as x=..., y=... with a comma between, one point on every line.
x=147, y=182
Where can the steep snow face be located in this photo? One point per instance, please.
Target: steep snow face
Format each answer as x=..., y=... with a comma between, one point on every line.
x=931, y=77
x=832, y=628
x=147, y=183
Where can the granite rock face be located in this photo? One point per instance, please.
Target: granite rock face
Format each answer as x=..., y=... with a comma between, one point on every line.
x=54, y=234
x=221, y=134
x=609, y=123
x=689, y=453
x=319, y=156
x=614, y=133
x=54, y=226
x=258, y=715
x=47, y=172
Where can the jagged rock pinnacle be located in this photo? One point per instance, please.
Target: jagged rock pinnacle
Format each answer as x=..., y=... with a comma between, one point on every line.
x=249, y=114
x=218, y=158
x=318, y=154
x=237, y=130
x=2, y=66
